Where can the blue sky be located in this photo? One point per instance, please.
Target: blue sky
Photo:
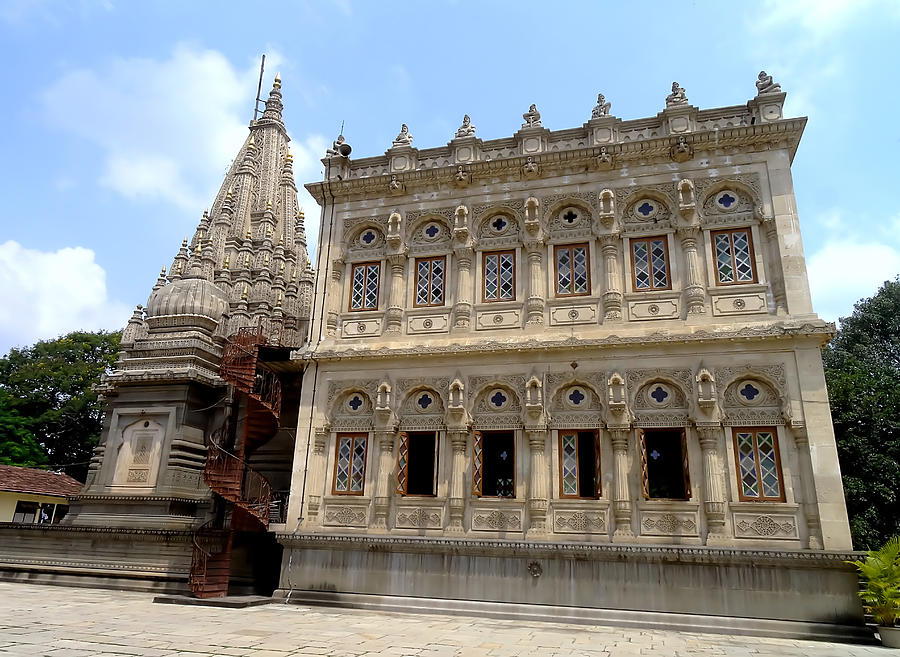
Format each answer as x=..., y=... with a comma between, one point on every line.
x=120, y=118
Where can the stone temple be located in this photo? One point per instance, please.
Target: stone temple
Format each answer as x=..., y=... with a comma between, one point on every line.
x=566, y=374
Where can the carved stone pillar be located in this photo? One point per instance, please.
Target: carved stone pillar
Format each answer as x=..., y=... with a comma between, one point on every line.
x=334, y=297
x=463, y=308
x=777, y=276
x=810, y=507
x=714, y=501
x=537, y=497
x=385, y=440
x=458, y=439
x=394, y=315
x=621, y=493
x=612, y=298
x=536, y=292
x=316, y=469
x=694, y=292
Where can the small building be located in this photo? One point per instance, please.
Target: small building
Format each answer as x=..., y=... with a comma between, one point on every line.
x=31, y=496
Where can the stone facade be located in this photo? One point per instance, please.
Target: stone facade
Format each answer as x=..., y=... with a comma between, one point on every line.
x=600, y=335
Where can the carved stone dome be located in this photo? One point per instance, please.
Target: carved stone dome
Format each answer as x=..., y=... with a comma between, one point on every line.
x=188, y=302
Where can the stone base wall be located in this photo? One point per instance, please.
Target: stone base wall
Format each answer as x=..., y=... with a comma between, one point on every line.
x=757, y=584
x=128, y=559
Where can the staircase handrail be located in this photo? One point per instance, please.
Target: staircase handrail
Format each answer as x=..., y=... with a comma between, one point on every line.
x=255, y=490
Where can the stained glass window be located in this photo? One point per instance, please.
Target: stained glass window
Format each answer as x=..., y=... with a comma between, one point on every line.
x=733, y=252
x=364, y=294
x=579, y=453
x=430, y=281
x=499, y=276
x=759, y=469
x=350, y=464
x=650, y=263
x=572, y=270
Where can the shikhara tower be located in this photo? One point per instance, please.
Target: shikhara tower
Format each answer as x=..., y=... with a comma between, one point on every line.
x=575, y=368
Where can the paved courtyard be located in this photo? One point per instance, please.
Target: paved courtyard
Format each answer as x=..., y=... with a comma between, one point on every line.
x=69, y=622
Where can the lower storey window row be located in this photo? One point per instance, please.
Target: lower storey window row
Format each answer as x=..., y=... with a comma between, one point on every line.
x=665, y=470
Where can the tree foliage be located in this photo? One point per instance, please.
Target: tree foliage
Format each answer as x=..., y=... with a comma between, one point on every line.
x=48, y=413
x=862, y=368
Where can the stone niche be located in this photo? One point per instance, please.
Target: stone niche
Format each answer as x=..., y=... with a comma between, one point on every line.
x=137, y=454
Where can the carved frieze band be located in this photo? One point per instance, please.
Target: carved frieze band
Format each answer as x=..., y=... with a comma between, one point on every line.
x=655, y=523
x=769, y=525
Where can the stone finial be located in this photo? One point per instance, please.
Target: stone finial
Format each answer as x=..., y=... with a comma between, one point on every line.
x=677, y=97
x=404, y=138
x=602, y=108
x=466, y=129
x=532, y=117
x=161, y=280
x=272, y=113
x=766, y=85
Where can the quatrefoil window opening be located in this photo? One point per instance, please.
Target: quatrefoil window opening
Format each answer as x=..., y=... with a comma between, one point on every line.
x=498, y=399
x=576, y=396
x=368, y=237
x=570, y=216
x=646, y=209
x=659, y=394
x=431, y=231
x=750, y=392
x=355, y=403
x=424, y=401
x=727, y=200
x=499, y=224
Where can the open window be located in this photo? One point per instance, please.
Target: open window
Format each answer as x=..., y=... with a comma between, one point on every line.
x=494, y=464
x=579, y=464
x=417, y=460
x=664, y=465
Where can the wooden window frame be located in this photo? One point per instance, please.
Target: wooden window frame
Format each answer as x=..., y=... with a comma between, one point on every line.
x=478, y=465
x=685, y=466
x=571, y=248
x=353, y=268
x=715, y=262
x=484, y=257
x=737, y=464
x=598, y=479
x=647, y=240
x=429, y=259
x=337, y=447
x=402, y=479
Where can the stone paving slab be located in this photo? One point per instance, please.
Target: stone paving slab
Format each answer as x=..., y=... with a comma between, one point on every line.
x=69, y=622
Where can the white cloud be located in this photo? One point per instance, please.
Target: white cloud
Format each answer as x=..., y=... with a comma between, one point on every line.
x=818, y=19
x=45, y=294
x=168, y=128
x=844, y=271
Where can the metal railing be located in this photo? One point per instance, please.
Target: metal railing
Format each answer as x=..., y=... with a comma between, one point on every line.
x=229, y=475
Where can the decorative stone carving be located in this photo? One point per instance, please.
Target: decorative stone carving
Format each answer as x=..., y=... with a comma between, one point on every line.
x=706, y=389
x=668, y=524
x=345, y=516
x=677, y=97
x=766, y=85
x=578, y=522
x=602, y=107
x=466, y=129
x=418, y=518
x=607, y=210
x=497, y=520
x=461, y=223
x=605, y=159
x=747, y=525
x=404, y=138
x=532, y=117
x=682, y=151
x=461, y=177
x=395, y=187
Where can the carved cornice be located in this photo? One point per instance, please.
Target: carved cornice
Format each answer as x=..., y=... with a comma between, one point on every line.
x=572, y=550
x=823, y=332
x=107, y=533
x=780, y=134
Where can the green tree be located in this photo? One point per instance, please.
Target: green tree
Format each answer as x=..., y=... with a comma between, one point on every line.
x=862, y=368
x=46, y=399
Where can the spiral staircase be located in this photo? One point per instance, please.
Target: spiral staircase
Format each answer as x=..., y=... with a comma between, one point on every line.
x=245, y=494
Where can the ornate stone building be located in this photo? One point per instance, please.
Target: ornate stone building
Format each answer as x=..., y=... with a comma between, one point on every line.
x=577, y=369
x=537, y=360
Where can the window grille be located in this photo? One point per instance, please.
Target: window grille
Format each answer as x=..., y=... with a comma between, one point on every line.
x=650, y=264
x=364, y=294
x=733, y=253
x=573, y=266
x=758, y=464
x=580, y=474
x=430, y=277
x=500, y=276
x=350, y=464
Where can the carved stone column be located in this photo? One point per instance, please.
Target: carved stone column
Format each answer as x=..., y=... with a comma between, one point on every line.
x=536, y=288
x=612, y=298
x=385, y=440
x=621, y=492
x=316, y=469
x=394, y=315
x=537, y=498
x=334, y=297
x=810, y=507
x=694, y=292
x=714, y=502
x=458, y=439
x=777, y=276
x=463, y=308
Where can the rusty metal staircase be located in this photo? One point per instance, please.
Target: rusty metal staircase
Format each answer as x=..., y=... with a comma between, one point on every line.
x=245, y=492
